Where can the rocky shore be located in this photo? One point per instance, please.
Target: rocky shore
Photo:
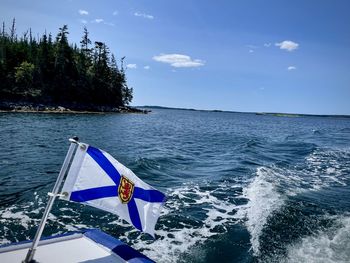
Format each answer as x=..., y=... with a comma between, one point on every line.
x=63, y=108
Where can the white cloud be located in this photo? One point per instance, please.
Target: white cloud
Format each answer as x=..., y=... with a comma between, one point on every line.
x=97, y=20
x=101, y=21
x=115, y=13
x=131, y=66
x=147, y=67
x=251, y=51
x=287, y=45
x=83, y=21
x=143, y=15
x=109, y=24
x=179, y=60
x=83, y=12
x=267, y=44
x=291, y=68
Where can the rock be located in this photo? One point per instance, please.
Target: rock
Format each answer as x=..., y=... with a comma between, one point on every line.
x=76, y=107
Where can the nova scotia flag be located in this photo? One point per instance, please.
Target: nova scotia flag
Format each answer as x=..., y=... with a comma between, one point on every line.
x=97, y=179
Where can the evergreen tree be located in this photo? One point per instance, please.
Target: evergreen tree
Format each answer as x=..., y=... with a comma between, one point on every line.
x=48, y=71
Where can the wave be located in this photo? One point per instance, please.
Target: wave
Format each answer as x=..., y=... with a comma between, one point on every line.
x=197, y=213
x=273, y=186
x=202, y=211
x=19, y=217
x=318, y=132
x=193, y=214
x=18, y=221
x=331, y=245
x=327, y=168
x=264, y=199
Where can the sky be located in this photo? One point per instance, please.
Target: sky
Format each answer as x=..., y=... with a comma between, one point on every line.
x=236, y=55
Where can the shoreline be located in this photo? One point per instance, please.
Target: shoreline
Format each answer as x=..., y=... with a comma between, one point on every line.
x=275, y=114
x=24, y=107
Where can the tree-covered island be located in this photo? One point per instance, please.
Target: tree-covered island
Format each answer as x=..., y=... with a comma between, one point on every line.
x=47, y=73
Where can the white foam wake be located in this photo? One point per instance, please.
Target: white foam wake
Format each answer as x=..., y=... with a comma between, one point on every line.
x=327, y=168
x=180, y=230
x=26, y=216
x=320, y=170
x=185, y=236
x=332, y=245
x=263, y=201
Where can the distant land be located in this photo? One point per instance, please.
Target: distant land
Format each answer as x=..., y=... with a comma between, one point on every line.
x=276, y=114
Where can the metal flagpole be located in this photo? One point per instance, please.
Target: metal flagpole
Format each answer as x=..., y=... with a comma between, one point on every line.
x=53, y=195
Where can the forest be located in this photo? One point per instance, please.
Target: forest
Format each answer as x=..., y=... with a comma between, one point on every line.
x=51, y=71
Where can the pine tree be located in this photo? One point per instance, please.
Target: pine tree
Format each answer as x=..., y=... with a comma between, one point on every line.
x=42, y=70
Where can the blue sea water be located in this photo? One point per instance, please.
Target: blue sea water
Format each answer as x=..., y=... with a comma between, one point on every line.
x=240, y=187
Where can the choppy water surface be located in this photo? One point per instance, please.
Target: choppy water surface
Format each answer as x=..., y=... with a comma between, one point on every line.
x=240, y=187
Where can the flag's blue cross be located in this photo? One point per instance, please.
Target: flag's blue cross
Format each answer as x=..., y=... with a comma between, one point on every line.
x=152, y=196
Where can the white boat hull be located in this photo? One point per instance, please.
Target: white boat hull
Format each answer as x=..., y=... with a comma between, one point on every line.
x=90, y=246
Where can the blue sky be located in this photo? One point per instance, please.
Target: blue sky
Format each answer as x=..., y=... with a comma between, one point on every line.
x=264, y=56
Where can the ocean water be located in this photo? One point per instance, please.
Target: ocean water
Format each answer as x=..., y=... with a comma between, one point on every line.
x=240, y=187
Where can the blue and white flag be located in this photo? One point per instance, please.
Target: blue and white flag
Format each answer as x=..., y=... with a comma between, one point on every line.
x=97, y=179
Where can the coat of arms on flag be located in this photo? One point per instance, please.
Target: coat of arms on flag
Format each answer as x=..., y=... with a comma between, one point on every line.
x=97, y=179
x=125, y=190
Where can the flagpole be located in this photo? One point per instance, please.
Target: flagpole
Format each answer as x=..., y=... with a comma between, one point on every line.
x=53, y=195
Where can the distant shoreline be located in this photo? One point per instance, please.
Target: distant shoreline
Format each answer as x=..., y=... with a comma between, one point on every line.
x=275, y=114
x=28, y=107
